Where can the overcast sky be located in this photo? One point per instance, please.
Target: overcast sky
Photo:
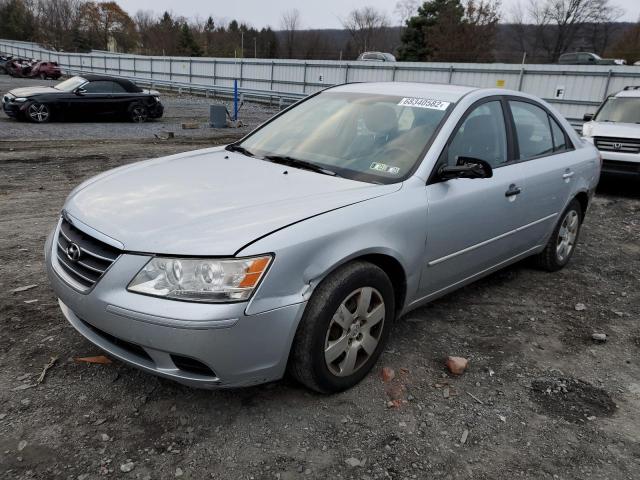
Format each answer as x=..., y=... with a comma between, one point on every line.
x=314, y=14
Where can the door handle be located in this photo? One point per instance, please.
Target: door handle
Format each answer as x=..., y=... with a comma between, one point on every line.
x=513, y=190
x=568, y=175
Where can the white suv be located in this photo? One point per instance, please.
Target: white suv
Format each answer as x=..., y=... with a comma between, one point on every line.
x=615, y=131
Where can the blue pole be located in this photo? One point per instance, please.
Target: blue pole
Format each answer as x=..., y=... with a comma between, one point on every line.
x=235, y=100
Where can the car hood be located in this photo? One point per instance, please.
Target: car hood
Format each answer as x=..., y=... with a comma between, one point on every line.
x=29, y=91
x=614, y=129
x=207, y=202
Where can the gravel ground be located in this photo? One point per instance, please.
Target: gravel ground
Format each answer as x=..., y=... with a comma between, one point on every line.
x=178, y=109
x=541, y=399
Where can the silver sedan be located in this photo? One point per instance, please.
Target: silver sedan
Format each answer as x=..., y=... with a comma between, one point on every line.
x=296, y=248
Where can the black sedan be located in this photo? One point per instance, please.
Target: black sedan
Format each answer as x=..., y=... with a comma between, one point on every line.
x=83, y=97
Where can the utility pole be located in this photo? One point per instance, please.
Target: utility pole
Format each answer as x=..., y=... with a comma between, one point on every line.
x=255, y=47
x=241, y=44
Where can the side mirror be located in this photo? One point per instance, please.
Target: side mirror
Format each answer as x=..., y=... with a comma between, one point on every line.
x=467, y=167
x=80, y=91
x=587, y=117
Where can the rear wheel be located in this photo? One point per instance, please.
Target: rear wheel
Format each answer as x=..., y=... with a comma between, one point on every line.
x=138, y=113
x=563, y=240
x=344, y=328
x=38, y=113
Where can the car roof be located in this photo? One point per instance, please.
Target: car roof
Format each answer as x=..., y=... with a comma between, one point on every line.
x=128, y=85
x=438, y=91
x=631, y=91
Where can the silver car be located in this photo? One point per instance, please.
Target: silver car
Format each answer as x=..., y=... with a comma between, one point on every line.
x=296, y=248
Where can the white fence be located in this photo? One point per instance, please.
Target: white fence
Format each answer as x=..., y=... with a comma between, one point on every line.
x=574, y=89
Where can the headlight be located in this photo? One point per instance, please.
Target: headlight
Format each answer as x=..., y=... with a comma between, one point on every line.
x=201, y=279
x=156, y=98
x=20, y=100
x=587, y=129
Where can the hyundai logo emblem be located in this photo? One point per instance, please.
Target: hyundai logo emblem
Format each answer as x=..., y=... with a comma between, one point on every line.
x=617, y=146
x=73, y=252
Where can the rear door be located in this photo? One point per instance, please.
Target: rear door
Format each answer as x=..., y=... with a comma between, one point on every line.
x=548, y=163
x=472, y=223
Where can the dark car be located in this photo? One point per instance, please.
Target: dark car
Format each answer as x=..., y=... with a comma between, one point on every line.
x=3, y=61
x=46, y=70
x=84, y=97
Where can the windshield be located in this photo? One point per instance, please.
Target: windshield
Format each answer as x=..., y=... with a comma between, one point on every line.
x=70, y=84
x=372, y=138
x=619, y=109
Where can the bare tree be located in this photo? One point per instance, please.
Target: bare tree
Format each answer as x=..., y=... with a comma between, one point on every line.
x=290, y=23
x=405, y=9
x=367, y=27
x=560, y=22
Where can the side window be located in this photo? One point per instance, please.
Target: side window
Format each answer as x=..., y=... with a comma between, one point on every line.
x=532, y=129
x=559, y=139
x=99, y=87
x=117, y=88
x=482, y=135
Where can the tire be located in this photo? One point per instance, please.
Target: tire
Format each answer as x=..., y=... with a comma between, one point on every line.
x=563, y=240
x=38, y=113
x=335, y=320
x=138, y=113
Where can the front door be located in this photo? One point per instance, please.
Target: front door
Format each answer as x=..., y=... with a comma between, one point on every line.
x=472, y=224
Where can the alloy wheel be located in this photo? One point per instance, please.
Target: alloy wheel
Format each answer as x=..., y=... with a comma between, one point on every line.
x=354, y=331
x=567, y=235
x=139, y=114
x=38, y=112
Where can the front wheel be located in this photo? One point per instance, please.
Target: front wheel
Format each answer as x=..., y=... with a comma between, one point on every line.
x=344, y=328
x=138, y=113
x=38, y=113
x=563, y=240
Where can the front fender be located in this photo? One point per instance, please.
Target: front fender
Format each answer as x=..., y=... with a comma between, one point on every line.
x=305, y=253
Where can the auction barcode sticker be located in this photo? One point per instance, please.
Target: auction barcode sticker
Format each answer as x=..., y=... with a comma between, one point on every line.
x=424, y=103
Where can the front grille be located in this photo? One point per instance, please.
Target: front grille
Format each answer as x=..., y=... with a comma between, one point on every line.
x=614, y=144
x=94, y=258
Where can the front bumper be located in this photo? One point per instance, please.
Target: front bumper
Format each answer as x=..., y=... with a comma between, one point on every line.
x=620, y=163
x=11, y=109
x=200, y=345
x=157, y=110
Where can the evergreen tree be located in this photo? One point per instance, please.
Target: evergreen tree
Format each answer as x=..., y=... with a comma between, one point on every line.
x=187, y=45
x=416, y=44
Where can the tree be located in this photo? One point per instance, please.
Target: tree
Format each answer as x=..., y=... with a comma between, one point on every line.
x=559, y=23
x=290, y=23
x=16, y=20
x=367, y=27
x=628, y=47
x=106, y=22
x=187, y=45
x=447, y=30
x=57, y=22
x=405, y=9
x=416, y=46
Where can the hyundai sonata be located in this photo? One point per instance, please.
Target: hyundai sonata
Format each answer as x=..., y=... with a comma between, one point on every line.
x=296, y=248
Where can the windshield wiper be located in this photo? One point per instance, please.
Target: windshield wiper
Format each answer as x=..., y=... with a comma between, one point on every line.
x=296, y=163
x=233, y=147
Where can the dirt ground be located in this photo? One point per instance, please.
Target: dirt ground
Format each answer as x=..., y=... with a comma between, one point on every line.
x=541, y=399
